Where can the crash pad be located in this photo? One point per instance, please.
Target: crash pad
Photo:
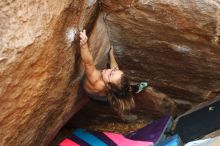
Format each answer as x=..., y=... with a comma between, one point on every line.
x=95, y=138
x=171, y=141
x=156, y=131
x=197, y=123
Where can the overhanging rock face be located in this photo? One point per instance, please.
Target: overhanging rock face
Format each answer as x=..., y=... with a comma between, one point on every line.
x=174, y=45
x=40, y=66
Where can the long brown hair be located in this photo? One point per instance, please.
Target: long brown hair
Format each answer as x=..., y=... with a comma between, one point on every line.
x=120, y=96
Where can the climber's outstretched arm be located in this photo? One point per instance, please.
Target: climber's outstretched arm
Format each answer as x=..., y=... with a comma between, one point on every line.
x=113, y=63
x=90, y=68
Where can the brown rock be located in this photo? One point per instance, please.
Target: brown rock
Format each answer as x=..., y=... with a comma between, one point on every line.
x=154, y=103
x=40, y=67
x=174, y=45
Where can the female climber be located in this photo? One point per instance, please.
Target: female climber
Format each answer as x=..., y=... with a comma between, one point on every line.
x=110, y=85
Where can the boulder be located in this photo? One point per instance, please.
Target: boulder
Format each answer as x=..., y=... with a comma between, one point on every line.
x=174, y=45
x=40, y=66
x=154, y=103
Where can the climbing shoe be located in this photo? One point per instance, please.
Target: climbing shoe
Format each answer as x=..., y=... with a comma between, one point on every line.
x=141, y=86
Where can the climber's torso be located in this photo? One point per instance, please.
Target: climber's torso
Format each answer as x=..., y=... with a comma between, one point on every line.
x=97, y=90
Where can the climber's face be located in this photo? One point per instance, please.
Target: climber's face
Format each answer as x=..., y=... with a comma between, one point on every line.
x=112, y=76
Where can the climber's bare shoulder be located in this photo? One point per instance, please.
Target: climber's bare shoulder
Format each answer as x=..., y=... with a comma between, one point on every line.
x=92, y=74
x=94, y=86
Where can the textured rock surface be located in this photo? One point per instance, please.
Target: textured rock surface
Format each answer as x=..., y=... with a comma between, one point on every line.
x=152, y=102
x=40, y=66
x=174, y=45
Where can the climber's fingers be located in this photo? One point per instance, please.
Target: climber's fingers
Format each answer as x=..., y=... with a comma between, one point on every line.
x=83, y=42
x=84, y=31
x=83, y=37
